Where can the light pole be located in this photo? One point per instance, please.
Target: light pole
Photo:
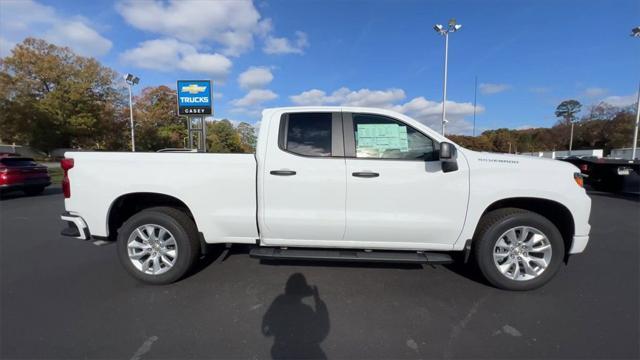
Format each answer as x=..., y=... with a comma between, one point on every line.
x=635, y=32
x=475, y=98
x=635, y=131
x=131, y=80
x=571, y=139
x=451, y=28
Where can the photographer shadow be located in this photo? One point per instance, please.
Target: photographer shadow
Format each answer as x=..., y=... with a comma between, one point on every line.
x=297, y=328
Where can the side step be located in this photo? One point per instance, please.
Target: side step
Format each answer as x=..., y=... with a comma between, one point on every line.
x=271, y=253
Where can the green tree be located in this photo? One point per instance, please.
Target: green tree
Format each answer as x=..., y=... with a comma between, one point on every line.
x=567, y=110
x=247, y=137
x=50, y=97
x=222, y=137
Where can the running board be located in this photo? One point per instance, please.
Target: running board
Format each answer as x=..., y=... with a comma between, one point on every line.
x=271, y=253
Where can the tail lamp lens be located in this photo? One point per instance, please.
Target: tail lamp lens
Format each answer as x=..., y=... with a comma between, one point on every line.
x=66, y=165
x=3, y=174
x=579, y=178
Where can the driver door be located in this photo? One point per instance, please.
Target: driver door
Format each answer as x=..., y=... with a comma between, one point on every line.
x=397, y=194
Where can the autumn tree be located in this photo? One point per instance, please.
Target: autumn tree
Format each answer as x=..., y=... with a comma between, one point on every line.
x=157, y=122
x=50, y=97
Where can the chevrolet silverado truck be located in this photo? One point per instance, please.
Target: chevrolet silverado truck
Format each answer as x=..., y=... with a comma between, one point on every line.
x=333, y=183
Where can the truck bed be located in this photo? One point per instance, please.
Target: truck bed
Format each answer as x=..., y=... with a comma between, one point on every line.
x=220, y=189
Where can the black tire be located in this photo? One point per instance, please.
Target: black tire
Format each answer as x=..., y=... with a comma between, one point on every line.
x=34, y=190
x=497, y=222
x=184, y=232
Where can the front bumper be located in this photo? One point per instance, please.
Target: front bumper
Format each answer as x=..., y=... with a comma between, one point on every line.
x=76, y=226
x=579, y=244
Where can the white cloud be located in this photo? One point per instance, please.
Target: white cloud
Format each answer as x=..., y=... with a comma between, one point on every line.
x=216, y=65
x=594, y=92
x=276, y=45
x=489, y=88
x=23, y=18
x=426, y=111
x=81, y=38
x=19, y=16
x=254, y=98
x=621, y=101
x=430, y=113
x=310, y=97
x=344, y=96
x=255, y=77
x=171, y=54
x=231, y=24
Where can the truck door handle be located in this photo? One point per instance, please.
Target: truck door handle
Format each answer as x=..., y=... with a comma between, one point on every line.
x=365, y=174
x=282, y=172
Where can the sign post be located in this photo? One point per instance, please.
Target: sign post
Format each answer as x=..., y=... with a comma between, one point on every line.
x=194, y=101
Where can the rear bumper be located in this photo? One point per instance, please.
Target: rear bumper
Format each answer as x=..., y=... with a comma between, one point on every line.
x=22, y=185
x=76, y=227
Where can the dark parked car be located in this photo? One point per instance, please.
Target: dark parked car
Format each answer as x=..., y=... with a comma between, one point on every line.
x=22, y=173
x=606, y=174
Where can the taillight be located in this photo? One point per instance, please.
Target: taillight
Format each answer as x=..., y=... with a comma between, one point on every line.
x=3, y=174
x=579, y=178
x=66, y=165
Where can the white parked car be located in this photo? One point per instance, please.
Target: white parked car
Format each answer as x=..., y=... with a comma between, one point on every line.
x=326, y=179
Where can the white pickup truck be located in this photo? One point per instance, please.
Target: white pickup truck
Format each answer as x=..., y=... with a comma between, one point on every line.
x=333, y=183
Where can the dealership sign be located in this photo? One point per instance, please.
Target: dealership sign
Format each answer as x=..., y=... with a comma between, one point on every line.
x=194, y=97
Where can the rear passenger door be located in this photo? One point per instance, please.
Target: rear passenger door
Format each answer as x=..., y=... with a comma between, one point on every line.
x=304, y=181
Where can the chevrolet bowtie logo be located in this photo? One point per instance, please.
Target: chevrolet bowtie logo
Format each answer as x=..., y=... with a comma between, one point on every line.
x=193, y=89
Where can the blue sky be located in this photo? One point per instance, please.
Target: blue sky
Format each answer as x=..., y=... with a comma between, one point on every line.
x=528, y=55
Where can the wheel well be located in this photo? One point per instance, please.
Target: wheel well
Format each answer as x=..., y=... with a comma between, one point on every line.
x=557, y=213
x=130, y=204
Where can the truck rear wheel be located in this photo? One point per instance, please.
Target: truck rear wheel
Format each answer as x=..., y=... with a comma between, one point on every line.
x=517, y=249
x=158, y=245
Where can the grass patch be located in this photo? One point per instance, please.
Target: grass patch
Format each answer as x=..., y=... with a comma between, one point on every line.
x=56, y=175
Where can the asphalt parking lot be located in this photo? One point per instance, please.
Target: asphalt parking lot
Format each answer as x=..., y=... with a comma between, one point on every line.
x=64, y=298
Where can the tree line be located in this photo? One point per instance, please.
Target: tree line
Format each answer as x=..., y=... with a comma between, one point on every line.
x=602, y=127
x=52, y=98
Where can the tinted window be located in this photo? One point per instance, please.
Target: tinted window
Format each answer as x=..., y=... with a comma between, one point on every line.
x=17, y=161
x=309, y=134
x=380, y=137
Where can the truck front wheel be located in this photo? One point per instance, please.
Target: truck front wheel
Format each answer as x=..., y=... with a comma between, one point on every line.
x=517, y=249
x=158, y=245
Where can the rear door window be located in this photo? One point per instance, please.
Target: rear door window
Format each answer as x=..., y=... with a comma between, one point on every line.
x=308, y=134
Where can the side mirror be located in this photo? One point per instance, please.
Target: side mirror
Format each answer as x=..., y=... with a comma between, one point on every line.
x=447, y=151
x=448, y=157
